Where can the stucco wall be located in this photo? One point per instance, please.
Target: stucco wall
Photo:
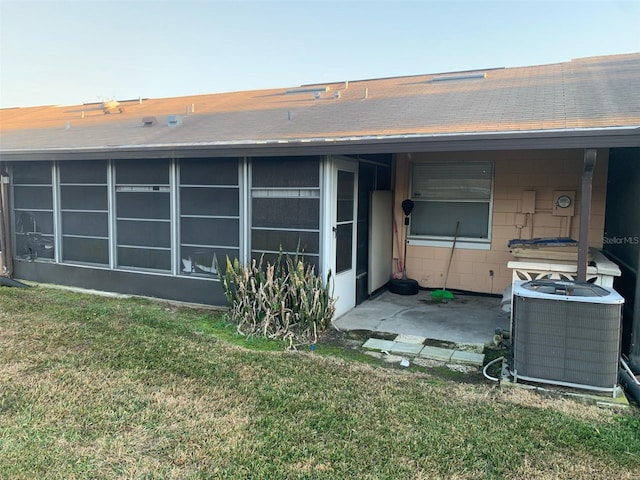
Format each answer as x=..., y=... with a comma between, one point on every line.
x=542, y=171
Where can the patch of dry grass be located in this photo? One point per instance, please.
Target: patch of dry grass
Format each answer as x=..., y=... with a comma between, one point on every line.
x=93, y=387
x=578, y=466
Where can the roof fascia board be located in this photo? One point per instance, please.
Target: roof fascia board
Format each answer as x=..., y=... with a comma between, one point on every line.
x=538, y=140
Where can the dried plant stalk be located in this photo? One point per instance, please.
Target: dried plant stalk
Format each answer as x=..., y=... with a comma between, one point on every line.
x=286, y=300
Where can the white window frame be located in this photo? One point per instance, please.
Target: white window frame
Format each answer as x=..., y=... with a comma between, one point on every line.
x=447, y=241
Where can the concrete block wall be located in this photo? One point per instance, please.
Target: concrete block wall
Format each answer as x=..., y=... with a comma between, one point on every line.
x=541, y=171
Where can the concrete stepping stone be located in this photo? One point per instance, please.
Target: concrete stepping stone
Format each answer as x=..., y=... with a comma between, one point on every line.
x=468, y=358
x=378, y=344
x=406, y=348
x=436, y=353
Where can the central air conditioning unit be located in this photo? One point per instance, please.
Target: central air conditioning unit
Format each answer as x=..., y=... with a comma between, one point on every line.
x=566, y=333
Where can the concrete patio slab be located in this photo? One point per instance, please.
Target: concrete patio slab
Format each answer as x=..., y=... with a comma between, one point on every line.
x=411, y=339
x=466, y=319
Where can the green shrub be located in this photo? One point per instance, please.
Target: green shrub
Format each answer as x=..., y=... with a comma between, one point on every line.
x=286, y=300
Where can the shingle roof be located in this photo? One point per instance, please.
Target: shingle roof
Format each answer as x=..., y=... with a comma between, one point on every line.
x=596, y=92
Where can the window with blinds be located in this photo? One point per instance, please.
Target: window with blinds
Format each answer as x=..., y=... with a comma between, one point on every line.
x=449, y=194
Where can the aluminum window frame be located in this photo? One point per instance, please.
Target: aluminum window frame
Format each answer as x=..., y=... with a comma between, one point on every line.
x=148, y=188
x=180, y=215
x=314, y=192
x=60, y=211
x=14, y=210
x=434, y=240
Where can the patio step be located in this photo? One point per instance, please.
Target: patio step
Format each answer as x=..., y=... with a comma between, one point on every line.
x=416, y=349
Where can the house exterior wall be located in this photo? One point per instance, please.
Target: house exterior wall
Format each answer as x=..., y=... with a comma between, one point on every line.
x=154, y=227
x=541, y=171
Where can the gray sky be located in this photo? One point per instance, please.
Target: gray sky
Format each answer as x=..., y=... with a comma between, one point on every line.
x=71, y=52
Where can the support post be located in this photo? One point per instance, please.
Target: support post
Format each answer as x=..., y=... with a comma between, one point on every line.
x=585, y=212
x=6, y=269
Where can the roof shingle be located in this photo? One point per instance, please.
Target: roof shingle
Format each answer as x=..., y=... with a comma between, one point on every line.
x=595, y=92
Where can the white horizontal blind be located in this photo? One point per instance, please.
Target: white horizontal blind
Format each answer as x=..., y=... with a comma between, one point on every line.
x=457, y=181
x=451, y=196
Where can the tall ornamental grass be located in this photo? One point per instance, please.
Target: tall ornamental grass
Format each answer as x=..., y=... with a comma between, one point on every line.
x=285, y=300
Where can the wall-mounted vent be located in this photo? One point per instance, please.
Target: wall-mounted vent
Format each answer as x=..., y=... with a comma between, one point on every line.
x=149, y=121
x=174, y=120
x=459, y=76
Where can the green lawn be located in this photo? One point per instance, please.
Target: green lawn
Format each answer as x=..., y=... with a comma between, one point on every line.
x=95, y=387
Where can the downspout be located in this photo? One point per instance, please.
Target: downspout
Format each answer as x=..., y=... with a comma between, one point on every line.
x=585, y=212
x=5, y=227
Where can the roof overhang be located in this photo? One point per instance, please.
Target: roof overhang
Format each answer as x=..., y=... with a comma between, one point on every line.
x=516, y=140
